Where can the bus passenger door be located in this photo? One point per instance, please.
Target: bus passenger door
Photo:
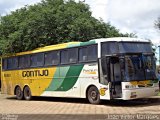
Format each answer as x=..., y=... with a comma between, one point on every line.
x=110, y=75
x=115, y=77
x=104, y=74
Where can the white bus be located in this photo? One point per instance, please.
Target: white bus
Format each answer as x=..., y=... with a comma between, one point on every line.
x=100, y=69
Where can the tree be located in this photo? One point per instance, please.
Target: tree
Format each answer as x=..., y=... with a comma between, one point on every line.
x=157, y=23
x=51, y=22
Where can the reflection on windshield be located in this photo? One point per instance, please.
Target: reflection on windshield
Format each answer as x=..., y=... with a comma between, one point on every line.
x=134, y=69
x=112, y=47
x=125, y=47
x=150, y=67
x=139, y=67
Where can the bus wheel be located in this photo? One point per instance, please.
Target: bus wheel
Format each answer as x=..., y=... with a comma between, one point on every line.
x=27, y=93
x=93, y=95
x=19, y=93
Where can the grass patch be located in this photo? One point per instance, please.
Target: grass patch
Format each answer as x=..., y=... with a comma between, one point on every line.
x=159, y=94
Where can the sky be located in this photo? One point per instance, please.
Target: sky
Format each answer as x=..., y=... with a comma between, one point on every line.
x=131, y=16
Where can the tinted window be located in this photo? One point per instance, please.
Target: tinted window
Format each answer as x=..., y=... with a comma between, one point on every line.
x=52, y=58
x=12, y=63
x=83, y=54
x=88, y=53
x=24, y=61
x=37, y=59
x=64, y=57
x=92, y=53
x=109, y=48
x=134, y=47
x=72, y=55
x=4, y=64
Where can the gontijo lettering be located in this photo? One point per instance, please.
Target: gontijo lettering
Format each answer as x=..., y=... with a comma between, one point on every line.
x=35, y=73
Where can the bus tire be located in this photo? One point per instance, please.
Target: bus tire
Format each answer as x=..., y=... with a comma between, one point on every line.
x=93, y=95
x=27, y=93
x=19, y=93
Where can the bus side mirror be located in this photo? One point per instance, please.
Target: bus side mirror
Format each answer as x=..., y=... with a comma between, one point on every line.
x=122, y=63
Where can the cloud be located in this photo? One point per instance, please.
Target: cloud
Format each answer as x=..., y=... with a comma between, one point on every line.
x=132, y=16
x=99, y=8
x=6, y=6
x=135, y=16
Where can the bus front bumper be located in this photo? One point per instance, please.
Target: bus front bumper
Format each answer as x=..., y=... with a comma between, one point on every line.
x=135, y=93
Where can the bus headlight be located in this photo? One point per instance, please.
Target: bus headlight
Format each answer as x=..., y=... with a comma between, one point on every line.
x=156, y=85
x=127, y=86
x=130, y=86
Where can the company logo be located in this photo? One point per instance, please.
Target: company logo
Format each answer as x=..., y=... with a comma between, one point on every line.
x=90, y=71
x=35, y=73
x=102, y=91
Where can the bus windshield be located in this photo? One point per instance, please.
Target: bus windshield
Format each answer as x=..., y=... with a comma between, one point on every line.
x=140, y=67
x=109, y=48
x=128, y=47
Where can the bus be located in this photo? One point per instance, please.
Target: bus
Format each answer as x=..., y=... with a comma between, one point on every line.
x=0, y=77
x=100, y=69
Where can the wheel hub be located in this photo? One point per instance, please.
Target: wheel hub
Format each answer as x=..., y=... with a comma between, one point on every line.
x=94, y=95
x=18, y=92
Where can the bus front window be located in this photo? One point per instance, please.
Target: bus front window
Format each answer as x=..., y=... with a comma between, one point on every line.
x=134, y=68
x=139, y=67
x=150, y=67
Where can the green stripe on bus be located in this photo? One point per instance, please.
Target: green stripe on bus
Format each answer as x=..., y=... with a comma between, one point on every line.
x=87, y=43
x=71, y=78
x=58, y=78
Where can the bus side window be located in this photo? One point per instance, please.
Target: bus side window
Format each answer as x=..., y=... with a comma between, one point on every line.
x=9, y=63
x=33, y=60
x=12, y=63
x=52, y=58
x=82, y=54
x=23, y=64
x=92, y=52
x=40, y=59
x=72, y=55
x=37, y=60
x=64, y=57
x=4, y=65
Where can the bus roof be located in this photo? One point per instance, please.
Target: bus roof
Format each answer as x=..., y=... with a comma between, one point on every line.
x=119, y=39
x=53, y=47
x=76, y=44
